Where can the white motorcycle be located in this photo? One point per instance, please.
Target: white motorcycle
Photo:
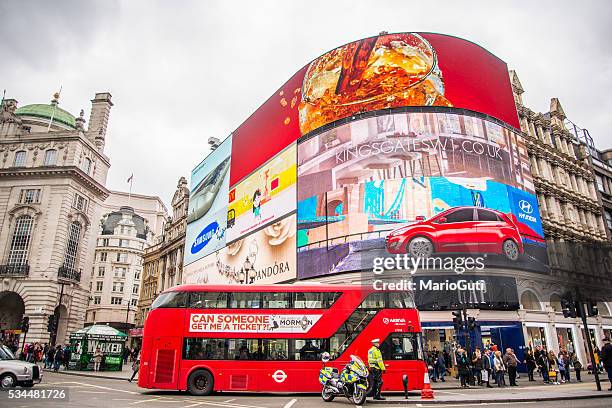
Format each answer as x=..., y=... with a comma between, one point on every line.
x=352, y=381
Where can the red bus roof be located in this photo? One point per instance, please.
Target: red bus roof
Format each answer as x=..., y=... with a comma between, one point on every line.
x=269, y=288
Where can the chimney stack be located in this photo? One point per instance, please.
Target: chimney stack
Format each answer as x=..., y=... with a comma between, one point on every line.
x=98, y=119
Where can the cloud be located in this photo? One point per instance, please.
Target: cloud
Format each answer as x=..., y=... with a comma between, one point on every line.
x=180, y=72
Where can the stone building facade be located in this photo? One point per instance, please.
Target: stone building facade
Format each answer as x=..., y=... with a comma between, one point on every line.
x=602, y=168
x=163, y=261
x=124, y=232
x=53, y=173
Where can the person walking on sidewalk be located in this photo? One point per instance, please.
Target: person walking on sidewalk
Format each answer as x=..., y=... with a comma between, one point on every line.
x=50, y=357
x=486, y=367
x=531, y=364
x=511, y=362
x=97, y=359
x=59, y=357
x=477, y=366
x=577, y=366
x=562, y=367
x=542, y=362
x=500, y=368
x=135, y=367
x=463, y=366
x=441, y=365
x=67, y=355
x=606, y=359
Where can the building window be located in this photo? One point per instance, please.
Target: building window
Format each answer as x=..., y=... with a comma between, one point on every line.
x=103, y=256
x=121, y=257
x=96, y=300
x=99, y=286
x=118, y=287
x=137, y=275
x=104, y=242
x=600, y=183
x=120, y=272
x=123, y=242
x=86, y=165
x=29, y=196
x=80, y=202
x=135, y=290
x=20, y=243
x=134, y=302
x=609, y=219
x=116, y=300
x=50, y=157
x=20, y=158
x=101, y=271
x=72, y=246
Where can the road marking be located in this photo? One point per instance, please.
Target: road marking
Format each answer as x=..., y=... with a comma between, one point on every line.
x=193, y=405
x=230, y=400
x=290, y=403
x=147, y=400
x=92, y=392
x=107, y=388
x=459, y=404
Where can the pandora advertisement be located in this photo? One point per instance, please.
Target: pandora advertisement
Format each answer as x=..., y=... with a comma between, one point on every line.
x=263, y=257
x=416, y=185
x=382, y=72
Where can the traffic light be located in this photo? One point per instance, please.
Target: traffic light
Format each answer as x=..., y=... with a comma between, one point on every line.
x=568, y=307
x=592, y=310
x=457, y=320
x=25, y=324
x=471, y=323
x=51, y=323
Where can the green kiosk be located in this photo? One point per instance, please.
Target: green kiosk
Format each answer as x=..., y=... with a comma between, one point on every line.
x=84, y=343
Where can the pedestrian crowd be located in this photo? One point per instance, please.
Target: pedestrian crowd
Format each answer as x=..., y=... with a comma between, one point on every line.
x=493, y=366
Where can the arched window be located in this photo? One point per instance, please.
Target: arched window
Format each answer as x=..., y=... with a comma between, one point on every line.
x=20, y=242
x=20, y=158
x=86, y=165
x=530, y=301
x=72, y=246
x=555, y=302
x=50, y=157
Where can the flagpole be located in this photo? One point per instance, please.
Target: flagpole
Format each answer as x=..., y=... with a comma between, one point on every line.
x=54, y=108
x=130, y=193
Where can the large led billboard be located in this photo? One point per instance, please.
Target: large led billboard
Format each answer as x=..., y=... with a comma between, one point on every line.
x=263, y=257
x=406, y=182
x=207, y=213
x=376, y=73
x=264, y=196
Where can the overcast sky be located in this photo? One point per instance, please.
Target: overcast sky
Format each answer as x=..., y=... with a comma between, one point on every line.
x=182, y=71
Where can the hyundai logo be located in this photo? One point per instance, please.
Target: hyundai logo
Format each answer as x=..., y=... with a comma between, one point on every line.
x=525, y=206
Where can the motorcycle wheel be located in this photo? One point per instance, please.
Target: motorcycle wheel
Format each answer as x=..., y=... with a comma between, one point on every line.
x=327, y=394
x=359, y=396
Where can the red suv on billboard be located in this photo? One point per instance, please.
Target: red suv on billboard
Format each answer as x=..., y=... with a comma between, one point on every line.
x=459, y=229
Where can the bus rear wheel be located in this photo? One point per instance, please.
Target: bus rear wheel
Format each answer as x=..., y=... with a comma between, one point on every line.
x=200, y=382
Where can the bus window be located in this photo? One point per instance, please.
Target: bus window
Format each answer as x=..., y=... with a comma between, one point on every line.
x=400, y=346
x=275, y=349
x=170, y=299
x=309, y=349
x=208, y=300
x=276, y=300
x=204, y=349
x=400, y=300
x=245, y=300
x=243, y=349
x=374, y=300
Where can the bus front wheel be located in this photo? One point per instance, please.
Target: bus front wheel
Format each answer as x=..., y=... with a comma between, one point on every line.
x=200, y=382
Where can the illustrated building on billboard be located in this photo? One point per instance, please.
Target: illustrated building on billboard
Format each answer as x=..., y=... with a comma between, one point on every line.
x=390, y=146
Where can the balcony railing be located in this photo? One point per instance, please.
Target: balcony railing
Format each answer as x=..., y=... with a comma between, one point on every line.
x=14, y=270
x=69, y=274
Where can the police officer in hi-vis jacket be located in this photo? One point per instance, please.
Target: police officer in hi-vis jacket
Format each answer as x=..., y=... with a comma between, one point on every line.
x=377, y=368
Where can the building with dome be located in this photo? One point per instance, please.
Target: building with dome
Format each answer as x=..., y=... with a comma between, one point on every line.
x=53, y=172
x=129, y=224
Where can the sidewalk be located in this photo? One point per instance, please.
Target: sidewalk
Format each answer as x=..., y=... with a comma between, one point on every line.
x=111, y=375
x=474, y=396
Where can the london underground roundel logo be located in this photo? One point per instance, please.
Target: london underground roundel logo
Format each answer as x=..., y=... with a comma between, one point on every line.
x=279, y=376
x=525, y=206
x=385, y=320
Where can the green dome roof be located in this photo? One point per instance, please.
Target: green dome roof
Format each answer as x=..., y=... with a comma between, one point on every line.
x=40, y=110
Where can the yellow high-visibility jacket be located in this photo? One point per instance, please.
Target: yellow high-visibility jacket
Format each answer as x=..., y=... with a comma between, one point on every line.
x=375, y=358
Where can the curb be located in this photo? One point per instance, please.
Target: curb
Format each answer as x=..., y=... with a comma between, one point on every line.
x=108, y=377
x=488, y=401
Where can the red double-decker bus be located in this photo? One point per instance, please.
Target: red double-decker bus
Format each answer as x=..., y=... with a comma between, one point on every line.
x=270, y=338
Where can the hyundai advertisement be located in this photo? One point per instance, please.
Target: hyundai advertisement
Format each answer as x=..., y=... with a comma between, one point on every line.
x=421, y=184
x=207, y=214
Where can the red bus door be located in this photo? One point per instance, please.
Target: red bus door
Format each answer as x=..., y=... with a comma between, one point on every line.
x=164, y=373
